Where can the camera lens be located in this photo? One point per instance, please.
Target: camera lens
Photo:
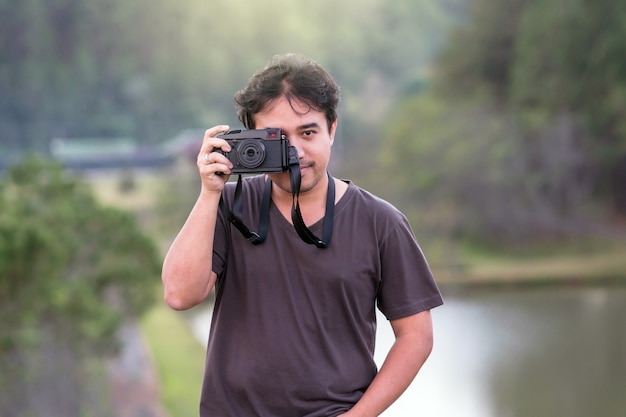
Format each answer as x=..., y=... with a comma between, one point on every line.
x=251, y=153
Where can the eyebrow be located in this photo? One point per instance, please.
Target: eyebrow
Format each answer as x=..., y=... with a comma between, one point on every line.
x=309, y=126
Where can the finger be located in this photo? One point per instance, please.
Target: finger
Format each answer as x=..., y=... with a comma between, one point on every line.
x=211, y=133
x=214, y=153
x=213, y=157
x=220, y=166
x=215, y=130
x=210, y=141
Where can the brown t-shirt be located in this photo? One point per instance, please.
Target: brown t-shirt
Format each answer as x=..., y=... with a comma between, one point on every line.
x=293, y=328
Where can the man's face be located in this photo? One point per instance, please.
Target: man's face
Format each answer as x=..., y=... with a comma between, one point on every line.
x=307, y=130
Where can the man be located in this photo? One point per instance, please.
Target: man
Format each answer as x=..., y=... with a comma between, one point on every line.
x=294, y=324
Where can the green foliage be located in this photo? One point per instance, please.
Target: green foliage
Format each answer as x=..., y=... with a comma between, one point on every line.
x=568, y=57
x=149, y=68
x=461, y=158
x=70, y=272
x=550, y=74
x=478, y=55
x=543, y=59
x=77, y=260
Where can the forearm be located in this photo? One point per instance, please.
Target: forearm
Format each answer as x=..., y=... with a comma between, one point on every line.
x=404, y=360
x=187, y=268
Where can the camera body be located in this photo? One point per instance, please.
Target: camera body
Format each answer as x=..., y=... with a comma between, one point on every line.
x=257, y=150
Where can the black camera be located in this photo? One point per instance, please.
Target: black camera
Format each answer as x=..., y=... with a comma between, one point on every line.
x=257, y=150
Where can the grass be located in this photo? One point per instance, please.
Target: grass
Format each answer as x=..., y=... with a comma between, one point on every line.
x=178, y=357
x=590, y=263
x=139, y=194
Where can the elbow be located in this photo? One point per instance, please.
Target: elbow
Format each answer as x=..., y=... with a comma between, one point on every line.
x=183, y=296
x=180, y=300
x=428, y=346
x=176, y=298
x=176, y=303
x=186, y=285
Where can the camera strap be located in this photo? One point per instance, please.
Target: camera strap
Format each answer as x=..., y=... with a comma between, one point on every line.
x=296, y=216
x=234, y=216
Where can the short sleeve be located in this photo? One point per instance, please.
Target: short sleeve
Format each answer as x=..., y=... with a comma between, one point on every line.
x=407, y=283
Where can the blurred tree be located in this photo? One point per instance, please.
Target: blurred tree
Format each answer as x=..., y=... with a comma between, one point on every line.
x=549, y=63
x=148, y=69
x=569, y=61
x=476, y=177
x=519, y=137
x=93, y=68
x=70, y=272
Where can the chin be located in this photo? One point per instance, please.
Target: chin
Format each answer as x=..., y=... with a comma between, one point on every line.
x=310, y=183
x=282, y=181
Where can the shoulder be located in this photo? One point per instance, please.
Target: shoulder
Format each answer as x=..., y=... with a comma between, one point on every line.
x=363, y=210
x=367, y=203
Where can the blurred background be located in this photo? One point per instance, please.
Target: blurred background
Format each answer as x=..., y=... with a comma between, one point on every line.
x=497, y=127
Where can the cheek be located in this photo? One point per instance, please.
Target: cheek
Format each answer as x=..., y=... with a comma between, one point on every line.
x=319, y=149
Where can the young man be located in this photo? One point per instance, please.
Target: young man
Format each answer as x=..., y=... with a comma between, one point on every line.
x=294, y=324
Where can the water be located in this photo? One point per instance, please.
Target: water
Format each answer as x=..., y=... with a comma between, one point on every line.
x=516, y=353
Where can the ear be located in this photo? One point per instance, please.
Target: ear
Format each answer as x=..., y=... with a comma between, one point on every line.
x=333, y=129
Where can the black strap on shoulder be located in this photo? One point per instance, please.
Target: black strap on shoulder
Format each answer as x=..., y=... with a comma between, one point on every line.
x=303, y=231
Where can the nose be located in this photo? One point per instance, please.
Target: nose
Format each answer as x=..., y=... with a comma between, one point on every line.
x=298, y=147
x=300, y=152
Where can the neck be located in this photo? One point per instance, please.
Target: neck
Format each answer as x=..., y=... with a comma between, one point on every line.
x=312, y=201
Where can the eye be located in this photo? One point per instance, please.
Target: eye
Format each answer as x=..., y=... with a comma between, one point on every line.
x=309, y=130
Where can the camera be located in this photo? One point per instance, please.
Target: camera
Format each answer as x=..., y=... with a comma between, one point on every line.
x=257, y=150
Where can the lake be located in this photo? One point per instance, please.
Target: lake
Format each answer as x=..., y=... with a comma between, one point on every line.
x=515, y=353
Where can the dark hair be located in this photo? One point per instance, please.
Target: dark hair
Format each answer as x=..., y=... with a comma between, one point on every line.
x=293, y=76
